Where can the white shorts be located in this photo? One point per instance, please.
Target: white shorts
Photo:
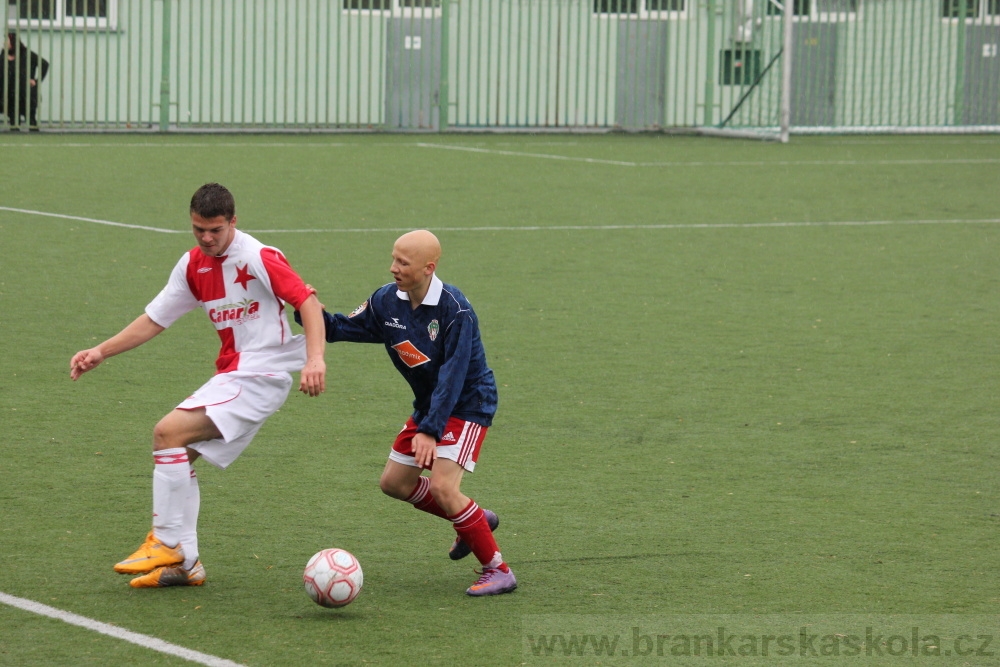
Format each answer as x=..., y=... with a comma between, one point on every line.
x=238, y=403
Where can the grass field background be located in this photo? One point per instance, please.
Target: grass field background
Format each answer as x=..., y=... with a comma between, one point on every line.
x=736, y=378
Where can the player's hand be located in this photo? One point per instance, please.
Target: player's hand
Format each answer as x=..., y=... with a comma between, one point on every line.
x=424, y=450
x=84, y=361
x=315, y=293
x=313, y=377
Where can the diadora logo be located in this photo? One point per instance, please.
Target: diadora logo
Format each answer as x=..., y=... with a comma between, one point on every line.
x=237, y=313
x=395, y=324
x=204, y=269
x=448, y=437
x=409, y=354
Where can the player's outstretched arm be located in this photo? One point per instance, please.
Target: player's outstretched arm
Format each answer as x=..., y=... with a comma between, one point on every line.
x=312, y=380
x=135, y=334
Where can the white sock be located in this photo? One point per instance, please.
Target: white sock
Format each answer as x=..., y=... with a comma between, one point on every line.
x=171, y=480
x=189, y=527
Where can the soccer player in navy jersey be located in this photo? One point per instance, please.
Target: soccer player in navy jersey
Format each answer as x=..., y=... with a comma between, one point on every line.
x=432, y=336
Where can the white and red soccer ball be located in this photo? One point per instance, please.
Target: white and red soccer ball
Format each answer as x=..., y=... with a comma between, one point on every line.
x=333, y=577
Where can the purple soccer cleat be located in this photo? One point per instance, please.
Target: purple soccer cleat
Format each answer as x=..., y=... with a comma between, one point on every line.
x=459, y=549
x=493, y=581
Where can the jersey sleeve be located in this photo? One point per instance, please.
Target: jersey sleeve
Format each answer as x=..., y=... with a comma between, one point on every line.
x=175, y=299
x=285, y=282
x=361, y=326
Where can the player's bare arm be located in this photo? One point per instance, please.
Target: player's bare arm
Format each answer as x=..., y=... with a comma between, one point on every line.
x=135, y=334
x=313, y=377
x=313, y=290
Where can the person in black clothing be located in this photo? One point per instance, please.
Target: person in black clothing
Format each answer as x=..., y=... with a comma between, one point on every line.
x=19, y=81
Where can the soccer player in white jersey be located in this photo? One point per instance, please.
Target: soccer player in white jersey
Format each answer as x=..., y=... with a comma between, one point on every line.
x=243, y=286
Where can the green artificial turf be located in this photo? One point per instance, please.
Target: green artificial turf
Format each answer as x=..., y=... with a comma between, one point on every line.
x=741, y=381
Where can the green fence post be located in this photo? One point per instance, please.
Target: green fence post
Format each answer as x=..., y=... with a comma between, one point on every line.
x=165, y=70
x=710, y=73
x=960, y=65
x=443, y=92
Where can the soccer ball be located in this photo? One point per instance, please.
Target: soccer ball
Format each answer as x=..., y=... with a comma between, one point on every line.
x=333, y=577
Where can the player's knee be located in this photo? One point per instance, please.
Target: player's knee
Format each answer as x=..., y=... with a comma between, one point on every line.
x=162, y=435
x=444, y=492
x=165, y=436
x=392, y=487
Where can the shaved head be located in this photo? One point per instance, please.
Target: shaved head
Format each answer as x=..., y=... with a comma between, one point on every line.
x=421, y=246
x=414, y=259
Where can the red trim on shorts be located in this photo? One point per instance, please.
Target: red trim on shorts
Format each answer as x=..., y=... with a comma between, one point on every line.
x=468, y=435
x=208, y=405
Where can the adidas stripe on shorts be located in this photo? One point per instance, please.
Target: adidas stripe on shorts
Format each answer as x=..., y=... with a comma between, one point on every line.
x=460, y=442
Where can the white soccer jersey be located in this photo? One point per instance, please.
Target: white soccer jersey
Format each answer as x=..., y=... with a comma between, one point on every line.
x=244, y=294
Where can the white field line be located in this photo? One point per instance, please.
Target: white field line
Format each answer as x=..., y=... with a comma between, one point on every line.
x=94, y=220
x=821, y=163
x=536, y=228
x=695, y=163
x=541, y=156
x=695, y=225
x=545, y=156
x=145, y=641
x=153, y=144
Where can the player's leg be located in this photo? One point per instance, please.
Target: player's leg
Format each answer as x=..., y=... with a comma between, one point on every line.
x=172, y=474
x=398, y=480
x=440, y=494
x=404, y=482
x=217, y=423
x=445, y=486
x=238, y=404
x=172, y=479
x=189, y=522
x=401, y=478
x=460, y=443
x=437, y=494
x=457, y=453
x=473, y=528
x=190, y=572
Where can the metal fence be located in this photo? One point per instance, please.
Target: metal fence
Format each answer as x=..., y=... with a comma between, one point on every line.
x=438, y=65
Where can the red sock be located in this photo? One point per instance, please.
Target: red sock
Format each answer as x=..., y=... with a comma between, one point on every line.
x=422, y=499
x=471, y=526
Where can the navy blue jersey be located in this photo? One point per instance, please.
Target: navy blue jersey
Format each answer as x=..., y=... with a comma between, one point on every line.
x=436, y=347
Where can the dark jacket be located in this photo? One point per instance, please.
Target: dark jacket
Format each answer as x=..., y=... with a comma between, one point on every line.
x=25, y=66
